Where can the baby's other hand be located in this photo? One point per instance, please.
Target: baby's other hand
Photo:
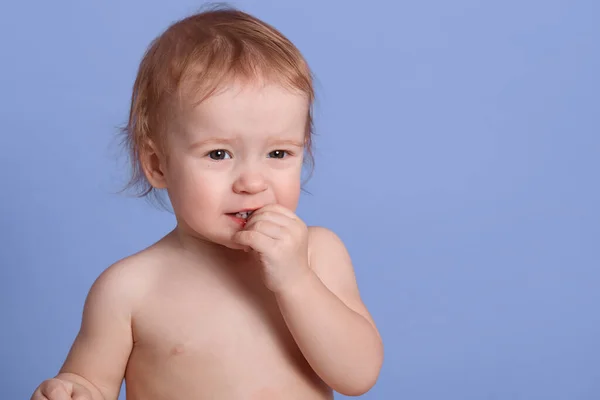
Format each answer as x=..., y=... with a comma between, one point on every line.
x=59, y=389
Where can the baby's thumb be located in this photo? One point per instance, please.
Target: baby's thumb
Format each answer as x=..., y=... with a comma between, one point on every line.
x=237, y=245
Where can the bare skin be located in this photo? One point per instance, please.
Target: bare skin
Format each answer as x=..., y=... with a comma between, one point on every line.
x=215, y=332
x=195, y=316
x=177, y=327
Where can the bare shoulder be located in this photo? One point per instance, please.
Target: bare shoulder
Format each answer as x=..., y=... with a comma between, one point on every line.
x=331, y=262
x=105, y=339
x=325, y=245
x=129, y=279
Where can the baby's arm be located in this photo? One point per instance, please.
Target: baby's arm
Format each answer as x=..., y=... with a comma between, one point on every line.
x=99, y=354
x=328, y=320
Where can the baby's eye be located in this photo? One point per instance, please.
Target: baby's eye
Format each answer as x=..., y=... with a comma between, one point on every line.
x=218, y=154
x=277, y=154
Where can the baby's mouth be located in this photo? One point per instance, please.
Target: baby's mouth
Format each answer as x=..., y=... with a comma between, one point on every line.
x=244, y=214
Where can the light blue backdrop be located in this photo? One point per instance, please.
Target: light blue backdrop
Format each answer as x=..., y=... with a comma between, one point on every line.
x=458, y=157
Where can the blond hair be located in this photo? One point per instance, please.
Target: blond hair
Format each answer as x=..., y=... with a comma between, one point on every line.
x=192, y=59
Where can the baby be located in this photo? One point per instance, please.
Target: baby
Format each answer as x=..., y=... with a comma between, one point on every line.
x=241, y=300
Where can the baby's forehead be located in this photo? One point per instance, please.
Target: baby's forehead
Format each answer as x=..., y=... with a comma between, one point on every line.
x=249, y=103
x=237, y=90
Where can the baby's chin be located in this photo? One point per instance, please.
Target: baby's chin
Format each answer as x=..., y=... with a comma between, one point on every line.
x=230, y=244
x=223, y=240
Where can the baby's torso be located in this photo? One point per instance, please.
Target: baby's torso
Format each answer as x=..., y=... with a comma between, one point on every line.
x=210, y=334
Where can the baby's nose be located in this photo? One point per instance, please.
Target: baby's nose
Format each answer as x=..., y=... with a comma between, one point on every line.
x=249, y=182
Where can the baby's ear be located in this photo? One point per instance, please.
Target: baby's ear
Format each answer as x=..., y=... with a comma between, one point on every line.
x=153, y=164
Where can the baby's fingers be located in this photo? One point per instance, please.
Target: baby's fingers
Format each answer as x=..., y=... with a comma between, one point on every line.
x=81, y=393
x=37, y=395
x=53, y=389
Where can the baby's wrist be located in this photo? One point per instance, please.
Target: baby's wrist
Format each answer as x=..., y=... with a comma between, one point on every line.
x=298, y=285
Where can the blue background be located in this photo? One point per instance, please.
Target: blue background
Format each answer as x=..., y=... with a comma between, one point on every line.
x=458, y=157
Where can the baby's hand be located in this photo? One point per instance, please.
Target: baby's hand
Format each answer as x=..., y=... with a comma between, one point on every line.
x=280, y=239
x=59, y=389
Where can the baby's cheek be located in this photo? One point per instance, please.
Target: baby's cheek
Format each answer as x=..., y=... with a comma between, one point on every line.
x=190, y=202
x=289, y=195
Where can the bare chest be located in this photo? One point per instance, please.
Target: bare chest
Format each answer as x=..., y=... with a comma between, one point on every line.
x=219, y=320
x=216, y=334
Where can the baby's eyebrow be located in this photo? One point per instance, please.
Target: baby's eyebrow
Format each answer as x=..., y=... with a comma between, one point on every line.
x=204, y=142
x=215, y=140
x=287, y=141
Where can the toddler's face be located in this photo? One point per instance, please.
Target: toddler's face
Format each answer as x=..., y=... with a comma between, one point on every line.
x=239, y=150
